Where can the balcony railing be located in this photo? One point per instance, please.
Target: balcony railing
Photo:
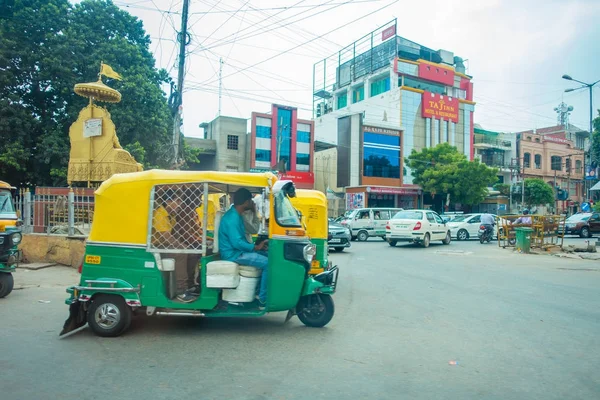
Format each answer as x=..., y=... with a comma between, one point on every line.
x=493, y=142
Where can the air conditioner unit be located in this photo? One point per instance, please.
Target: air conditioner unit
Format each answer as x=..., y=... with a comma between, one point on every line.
x=321, y=109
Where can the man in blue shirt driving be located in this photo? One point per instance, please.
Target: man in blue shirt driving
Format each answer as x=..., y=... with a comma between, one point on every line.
x=233, y=244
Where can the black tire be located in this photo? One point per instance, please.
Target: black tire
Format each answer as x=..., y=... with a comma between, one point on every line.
x=109, y=315
x=339, y=249
x=362, y=236
x=448, y=238
x=384, y=238
x=482, y=239
x=462, y=235
x=6, y=284
x=392, y=243
x=585, y=232
x=426, y=240
x=315, y=310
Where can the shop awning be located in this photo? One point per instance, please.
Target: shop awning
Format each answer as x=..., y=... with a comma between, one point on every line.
x=596, y=186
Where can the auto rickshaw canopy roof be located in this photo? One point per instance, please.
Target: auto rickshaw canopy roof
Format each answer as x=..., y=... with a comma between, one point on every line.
x=122, y=202
x=313, y=206
x=6, y=185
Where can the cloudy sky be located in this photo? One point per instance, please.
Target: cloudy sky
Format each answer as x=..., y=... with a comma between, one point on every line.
x=517, y=51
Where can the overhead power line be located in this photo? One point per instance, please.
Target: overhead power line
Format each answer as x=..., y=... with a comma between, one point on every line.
x=312, y=40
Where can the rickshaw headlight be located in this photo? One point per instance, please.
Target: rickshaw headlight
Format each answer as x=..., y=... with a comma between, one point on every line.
x=16, y=238
x=309, y=252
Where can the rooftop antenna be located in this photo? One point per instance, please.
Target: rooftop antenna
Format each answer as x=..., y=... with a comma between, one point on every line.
x=563, y=112
x=220, y=83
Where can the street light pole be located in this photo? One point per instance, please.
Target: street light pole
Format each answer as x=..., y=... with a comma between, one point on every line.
x=590, y=86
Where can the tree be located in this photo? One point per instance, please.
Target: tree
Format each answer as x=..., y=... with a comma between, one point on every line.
x=595, y=150
x=443, y=170
x=538, y=192
x=46, y=47
x=503, y=188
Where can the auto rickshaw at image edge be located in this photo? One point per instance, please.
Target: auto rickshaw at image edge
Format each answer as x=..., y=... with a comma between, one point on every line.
x=123, y=270
x=10, y=237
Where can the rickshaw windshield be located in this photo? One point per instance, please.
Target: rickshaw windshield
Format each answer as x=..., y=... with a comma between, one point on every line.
x=6, y=204
x=285, y=213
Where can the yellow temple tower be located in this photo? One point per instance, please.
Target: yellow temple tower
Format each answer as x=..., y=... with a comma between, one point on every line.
x=96, y=153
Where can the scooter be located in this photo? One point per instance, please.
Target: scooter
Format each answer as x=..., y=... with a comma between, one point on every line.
x=485, y=233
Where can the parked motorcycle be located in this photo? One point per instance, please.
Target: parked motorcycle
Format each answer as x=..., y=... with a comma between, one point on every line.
x=485, y=234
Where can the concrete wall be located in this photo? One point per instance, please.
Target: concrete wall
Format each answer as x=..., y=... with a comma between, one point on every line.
x=226, y=159
x=58, y=249
x=326, y=170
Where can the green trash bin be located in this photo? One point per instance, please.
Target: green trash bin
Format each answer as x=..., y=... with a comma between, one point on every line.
x=523, y=239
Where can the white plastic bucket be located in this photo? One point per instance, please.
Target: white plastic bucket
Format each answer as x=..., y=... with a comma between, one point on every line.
x=244, y=293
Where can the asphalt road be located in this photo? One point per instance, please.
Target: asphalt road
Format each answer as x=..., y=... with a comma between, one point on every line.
x=519, y=327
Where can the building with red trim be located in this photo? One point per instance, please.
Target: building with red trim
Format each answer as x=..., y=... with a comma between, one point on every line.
x=379, y=99
x=280, y=141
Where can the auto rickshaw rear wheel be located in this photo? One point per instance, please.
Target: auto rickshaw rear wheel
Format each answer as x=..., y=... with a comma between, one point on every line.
x=6, y=284
x=315, y=310
x=109, y=315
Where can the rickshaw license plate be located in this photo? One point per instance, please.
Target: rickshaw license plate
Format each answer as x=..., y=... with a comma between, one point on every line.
x=92, y=259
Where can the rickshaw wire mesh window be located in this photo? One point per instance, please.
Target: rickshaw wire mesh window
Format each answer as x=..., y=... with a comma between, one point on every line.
x=177, y=212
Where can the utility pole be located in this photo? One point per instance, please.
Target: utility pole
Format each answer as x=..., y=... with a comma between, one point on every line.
x=220, y=83
x=180, y=76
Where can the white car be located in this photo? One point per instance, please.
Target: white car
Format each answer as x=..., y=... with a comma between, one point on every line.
x=467, y=226
x=417, y=226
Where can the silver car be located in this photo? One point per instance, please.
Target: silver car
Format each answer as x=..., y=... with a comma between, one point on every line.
x=339, y=236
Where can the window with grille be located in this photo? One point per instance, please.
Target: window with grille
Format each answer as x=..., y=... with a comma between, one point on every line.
x=538, y=161
x=527, y=160
x=556, y=163
x=232, y=142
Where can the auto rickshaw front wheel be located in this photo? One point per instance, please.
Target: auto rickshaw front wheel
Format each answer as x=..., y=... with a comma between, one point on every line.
x=315, y=310
x=6, y=284
x=109, y=315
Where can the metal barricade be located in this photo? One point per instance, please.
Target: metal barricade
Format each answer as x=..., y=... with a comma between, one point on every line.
x=546, y=229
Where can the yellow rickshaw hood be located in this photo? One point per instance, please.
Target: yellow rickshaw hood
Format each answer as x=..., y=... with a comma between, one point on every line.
x=122, y=202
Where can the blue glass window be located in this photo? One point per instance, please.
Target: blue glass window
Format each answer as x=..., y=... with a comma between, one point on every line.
x=263, y=132
x=303, y=137
x=358, y=94
x=342, y=101
x=263, y=155
x=381, y=155
x=284, y=136
x=380, y=86
x=303, y=159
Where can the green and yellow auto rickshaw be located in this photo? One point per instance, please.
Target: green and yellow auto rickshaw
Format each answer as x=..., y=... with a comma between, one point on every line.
x=10, y=237
x=135, y=240
x=312, y=205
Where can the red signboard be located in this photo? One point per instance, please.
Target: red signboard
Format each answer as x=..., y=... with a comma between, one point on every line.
x=299, y=177
x=439, y=107
x=392, y=190
x=388, y=33
x=556, y=139
x=436, y=73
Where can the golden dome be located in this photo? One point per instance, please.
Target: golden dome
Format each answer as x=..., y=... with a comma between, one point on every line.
x=98, y=91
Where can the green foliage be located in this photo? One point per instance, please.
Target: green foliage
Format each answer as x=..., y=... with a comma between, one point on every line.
x=190, y=155
x=538, y=192
x=444, y=170
x=596, y=139
x=503, y=188
x=46, y=47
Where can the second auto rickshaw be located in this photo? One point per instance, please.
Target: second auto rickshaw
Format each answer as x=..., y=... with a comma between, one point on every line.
x=130, y=256
x=10, y=237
